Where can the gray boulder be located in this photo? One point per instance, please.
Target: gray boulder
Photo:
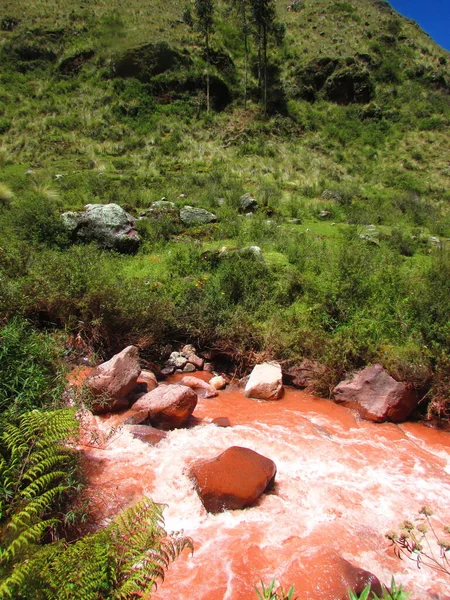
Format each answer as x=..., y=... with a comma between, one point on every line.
x=192, y=216
x=106, y=224
x=247, y=203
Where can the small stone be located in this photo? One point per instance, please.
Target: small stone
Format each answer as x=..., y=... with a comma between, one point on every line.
x=221, y=422
x=188, y=350
x=218, y=382
x=168, y=371
x=209, y=367
x=189, y=368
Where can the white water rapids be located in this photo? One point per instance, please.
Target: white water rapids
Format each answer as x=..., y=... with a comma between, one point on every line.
x=341, y=485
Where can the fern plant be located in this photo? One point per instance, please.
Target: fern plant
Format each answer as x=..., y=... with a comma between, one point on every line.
x=123, y=561
x=37, y=464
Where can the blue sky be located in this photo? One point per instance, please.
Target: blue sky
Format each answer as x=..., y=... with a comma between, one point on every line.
x=432, y=15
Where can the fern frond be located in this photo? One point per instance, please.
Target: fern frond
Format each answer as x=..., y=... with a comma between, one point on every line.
x=29, y=536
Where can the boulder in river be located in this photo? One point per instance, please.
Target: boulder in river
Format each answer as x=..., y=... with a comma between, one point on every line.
x=168, y=406
x=219, y=382
x=265, y=382
x=106, y=224
x=147, y=434
x=233, y=480
x=113, y=381
x=376, y=395
x=206, y=389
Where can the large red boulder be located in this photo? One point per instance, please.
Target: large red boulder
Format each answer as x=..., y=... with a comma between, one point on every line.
x=376, y=395
x=265, y=382
x=234, y=479
x=168, y=406
x=112, y=382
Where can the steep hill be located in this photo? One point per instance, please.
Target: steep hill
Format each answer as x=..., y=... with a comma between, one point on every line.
x=359, y=97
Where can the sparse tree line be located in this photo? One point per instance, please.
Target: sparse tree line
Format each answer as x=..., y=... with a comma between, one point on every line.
x=257, y=21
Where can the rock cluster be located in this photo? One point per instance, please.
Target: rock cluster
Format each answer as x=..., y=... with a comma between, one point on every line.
x=186, y=360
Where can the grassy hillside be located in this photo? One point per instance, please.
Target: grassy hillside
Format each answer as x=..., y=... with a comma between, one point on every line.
x=106, y=103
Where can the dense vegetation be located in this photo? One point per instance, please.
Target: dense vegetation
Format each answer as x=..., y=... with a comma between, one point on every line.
x=335, y=115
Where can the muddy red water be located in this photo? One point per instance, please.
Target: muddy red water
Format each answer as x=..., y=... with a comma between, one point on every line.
x=341, y=485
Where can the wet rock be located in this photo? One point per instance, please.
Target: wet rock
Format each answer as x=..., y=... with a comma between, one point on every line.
x=205, y=389
x=233, y=480
x=356, y=579
x=192, y=216
x=265, y=382
x=248, y=203
x=208, y=367
x=218, y=382
x=221, y=422
x=168, y=371
x=195, y=360
x=106, y=224
x=147, y=434
x=168, y=406
x=189, y=368
x=376, y=395
x=148, y=379
x=131, y=417
x=113, y=381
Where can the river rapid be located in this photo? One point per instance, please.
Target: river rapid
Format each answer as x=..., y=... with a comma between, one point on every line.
x=341, y=484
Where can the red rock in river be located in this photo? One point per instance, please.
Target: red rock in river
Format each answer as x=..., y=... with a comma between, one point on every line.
x=168, y=406
x=376, y=395
x=113, y=381
x=196, y=383
x=234, y=479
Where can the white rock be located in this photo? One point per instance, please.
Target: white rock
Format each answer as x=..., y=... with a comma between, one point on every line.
x=218, y=382
x=265, y=382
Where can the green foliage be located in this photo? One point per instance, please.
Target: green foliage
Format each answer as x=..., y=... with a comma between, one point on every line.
x=394, y=593
x=123, y=561
x=30, y=368
x=271, y=592
x=37, y=474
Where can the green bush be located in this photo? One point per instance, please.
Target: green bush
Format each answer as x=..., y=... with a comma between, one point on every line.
x=31, y=373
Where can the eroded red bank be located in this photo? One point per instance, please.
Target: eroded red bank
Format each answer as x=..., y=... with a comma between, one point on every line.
x=341, y=485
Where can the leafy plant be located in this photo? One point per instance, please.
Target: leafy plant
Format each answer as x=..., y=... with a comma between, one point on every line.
x=271, y=592
x=123, y=561
x=413, y=541
x=394, y=593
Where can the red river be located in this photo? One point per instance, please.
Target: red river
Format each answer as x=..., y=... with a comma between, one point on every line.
x=342, y=483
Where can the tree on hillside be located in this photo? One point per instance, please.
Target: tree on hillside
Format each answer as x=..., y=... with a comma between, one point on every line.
x=204, y=11
x=242, y=8
x=263, y=15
